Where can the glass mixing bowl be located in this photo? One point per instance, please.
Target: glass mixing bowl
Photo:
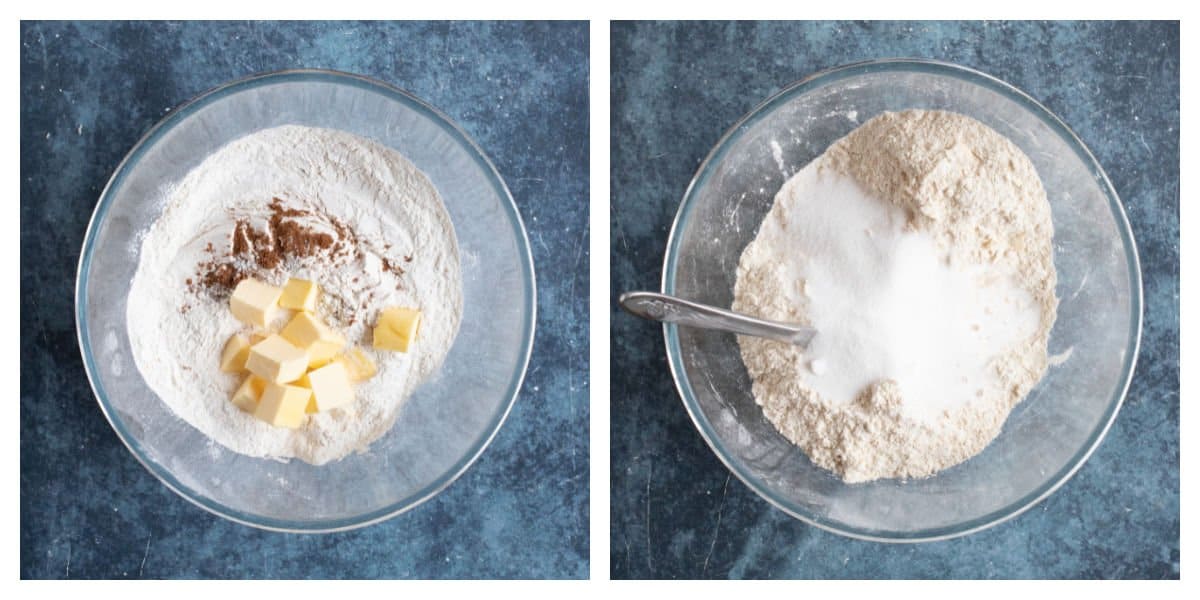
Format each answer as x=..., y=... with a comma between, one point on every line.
x=1046, y=438
x=445, y=424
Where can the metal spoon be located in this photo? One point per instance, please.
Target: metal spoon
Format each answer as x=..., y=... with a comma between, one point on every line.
x=669, y=309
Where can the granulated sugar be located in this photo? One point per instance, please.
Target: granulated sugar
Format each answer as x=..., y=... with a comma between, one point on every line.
x=886, y=303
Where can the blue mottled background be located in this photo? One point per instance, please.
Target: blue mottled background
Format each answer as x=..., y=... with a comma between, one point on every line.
x=90, y=90
x=676, y=512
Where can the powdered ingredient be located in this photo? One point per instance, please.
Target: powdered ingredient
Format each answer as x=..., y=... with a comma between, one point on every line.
x=920, y=246
x=311, y=203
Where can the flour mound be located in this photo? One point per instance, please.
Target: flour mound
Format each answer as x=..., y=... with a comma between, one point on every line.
x=979, y=198
x=395, y=247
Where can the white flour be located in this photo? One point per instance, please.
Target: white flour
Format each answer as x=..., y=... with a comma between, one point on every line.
x=919, y=247
x=396, y=215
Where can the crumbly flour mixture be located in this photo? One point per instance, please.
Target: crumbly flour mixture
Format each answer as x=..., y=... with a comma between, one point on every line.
x=920, y=248
x=348, y=213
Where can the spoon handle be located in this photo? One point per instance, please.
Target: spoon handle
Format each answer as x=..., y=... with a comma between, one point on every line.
x=669, y=309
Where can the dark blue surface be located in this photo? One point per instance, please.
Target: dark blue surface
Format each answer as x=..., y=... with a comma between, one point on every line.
x=676, y=511
x=90, y=90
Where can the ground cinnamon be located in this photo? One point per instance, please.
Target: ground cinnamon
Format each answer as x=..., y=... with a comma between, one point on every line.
x=283, y=238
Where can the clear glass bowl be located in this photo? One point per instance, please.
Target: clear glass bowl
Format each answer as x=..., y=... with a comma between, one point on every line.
x=445, y=424
x=1048, y=436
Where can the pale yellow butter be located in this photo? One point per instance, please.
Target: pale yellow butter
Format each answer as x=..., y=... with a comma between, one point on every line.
x=233, y=356
x=320, y=343
x=330, y=387
x=358, y=365
x=397, y=328
x=306, y=384
x=247, y=395
x=277, y=360
x=253, y=302
x=316, y=361
x=300, y=294
x=283, y=405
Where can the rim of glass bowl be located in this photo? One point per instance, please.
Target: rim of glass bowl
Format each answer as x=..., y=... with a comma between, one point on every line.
x=921, y=66
x=324, y=76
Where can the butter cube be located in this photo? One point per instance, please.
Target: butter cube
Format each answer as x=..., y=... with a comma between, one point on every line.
x=300, y=294
x=233, y=357
x=283, y=405
x=397, y=328
x=319, y=342
x=330, y=387
x=316, y=361
x=247, y=395
x=277, y=360
x=358, y=365
x=386, y=339
x=304, y=382
x=253, y=302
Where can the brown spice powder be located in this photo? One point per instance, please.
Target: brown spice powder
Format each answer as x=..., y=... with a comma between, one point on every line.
x=392, y=267
x=283, y=238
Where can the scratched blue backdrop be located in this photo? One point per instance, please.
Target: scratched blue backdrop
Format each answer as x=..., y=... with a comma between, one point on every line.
x=676, y=87
x=90, y=90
